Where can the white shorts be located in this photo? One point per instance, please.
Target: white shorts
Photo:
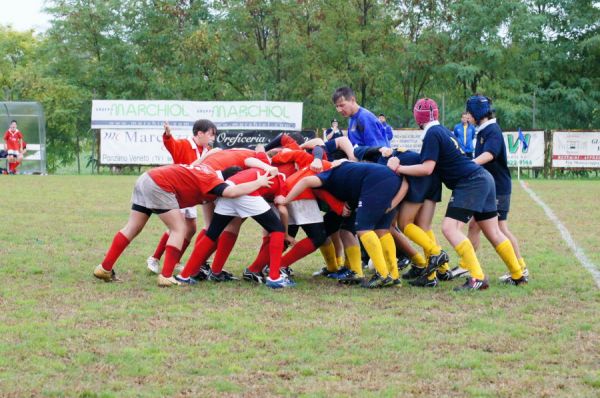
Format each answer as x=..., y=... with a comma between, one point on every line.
x=189, y=212
x=148, y=194
x=13, y=152
x=242, y=206
x=304, y=211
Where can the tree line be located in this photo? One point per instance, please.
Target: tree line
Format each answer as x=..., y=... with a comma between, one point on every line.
x=538, y=60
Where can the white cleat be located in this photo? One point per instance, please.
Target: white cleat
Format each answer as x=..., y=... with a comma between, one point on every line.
x=153, y=265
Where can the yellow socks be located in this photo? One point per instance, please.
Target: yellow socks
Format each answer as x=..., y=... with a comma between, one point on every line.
x=467, y=254
x=340, y=261
x=354, y=261
x=419, y=260
x=522, y=263
x=389, y=253
x=373, y=247
x=507, y=254
x=328, y=252
x=417, y=235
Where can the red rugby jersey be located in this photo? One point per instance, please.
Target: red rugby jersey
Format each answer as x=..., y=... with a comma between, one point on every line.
x=13, y=140
x=233, y=157
x=190, y=184
x=278, y=186
x=183, y=151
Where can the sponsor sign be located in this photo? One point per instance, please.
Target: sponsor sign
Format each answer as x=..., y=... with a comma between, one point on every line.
x=576, y=149
x=227, y=115
x=533, y=156
x=145, y=147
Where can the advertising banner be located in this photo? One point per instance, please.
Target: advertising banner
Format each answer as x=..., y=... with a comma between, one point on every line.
x=579, y=149
x=145, y=147
x=533, y=156
x=227, y=115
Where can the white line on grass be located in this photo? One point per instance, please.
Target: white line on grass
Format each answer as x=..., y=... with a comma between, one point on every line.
x=566, y=235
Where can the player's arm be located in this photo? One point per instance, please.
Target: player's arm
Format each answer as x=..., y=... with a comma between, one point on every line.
x=233, y=191
x=312, y=143
x=484, y=158
x=259, y=164
x=416, y=170
x=400, y=194
x=491, y=149
x=207, y=154
x=370, y=133
x=305, y=183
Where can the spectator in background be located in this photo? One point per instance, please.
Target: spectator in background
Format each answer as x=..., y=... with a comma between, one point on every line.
x=389, y=134
x=334, y=131
x=464, y=132
x=363, y=127
x=13, y=144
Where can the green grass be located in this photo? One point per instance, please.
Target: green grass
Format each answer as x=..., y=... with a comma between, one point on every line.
x=64, y=334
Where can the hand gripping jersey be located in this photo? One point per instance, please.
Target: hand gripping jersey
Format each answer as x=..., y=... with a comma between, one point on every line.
x=190, y=184
x=278, y=186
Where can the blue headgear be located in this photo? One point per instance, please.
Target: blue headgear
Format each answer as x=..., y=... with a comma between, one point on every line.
x=479, y=106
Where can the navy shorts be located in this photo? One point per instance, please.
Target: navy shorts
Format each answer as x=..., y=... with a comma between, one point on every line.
x=503, y=204
x=422, y=188
x=473, y=195
x=330, y=149
x=375, y=199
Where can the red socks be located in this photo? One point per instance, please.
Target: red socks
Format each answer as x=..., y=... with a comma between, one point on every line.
x=172, y=257
x=201, y=235
x=160, y=249
x=262, y=258
x=224, y=246
x=298, y=251
x=202, y=250
x=275, y=250
x=119, y=243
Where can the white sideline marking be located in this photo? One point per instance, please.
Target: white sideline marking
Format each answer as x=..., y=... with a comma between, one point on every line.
x=566, y=235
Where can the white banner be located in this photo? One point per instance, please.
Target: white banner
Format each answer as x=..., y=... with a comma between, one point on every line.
x=533, y=156
x=234, y=115
x=133, y=146
x=576, y=149
x=409, y=139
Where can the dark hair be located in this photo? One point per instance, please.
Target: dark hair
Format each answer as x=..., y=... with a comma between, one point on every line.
x=299, y=138
x=334, y=120
x=13, y=121
x=381, y=114
x=230, y=171
x=345, y=92
x=203, y=125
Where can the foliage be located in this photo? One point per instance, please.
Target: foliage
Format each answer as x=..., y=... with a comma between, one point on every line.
x=519, y=52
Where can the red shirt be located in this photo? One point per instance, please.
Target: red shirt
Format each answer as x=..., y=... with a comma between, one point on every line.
x=233, y=157
x=184, y=151
x=13, y=140
x=268, y=193
x=190, y=184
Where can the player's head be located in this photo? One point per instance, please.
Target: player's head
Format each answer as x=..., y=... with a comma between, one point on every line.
x=381, y=118
x=296, y=136
x=13, y=125
x=425, y=111
x=334, y=123
x=345, y=101
x=480, y=107
x=204, y=132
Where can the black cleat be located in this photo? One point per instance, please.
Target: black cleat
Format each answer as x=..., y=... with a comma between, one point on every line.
x=422, y=281
x=222, y=276
x=202, y=275
x=376, y=281
x=351, y=278
x=403, y=262
x=436, y=261
x=413, y=272
x=257, y=277
x=516, y=282
x=473, y=284
x=446, y=276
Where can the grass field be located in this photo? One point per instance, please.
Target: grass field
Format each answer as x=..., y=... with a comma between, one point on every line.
x=62, y=333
